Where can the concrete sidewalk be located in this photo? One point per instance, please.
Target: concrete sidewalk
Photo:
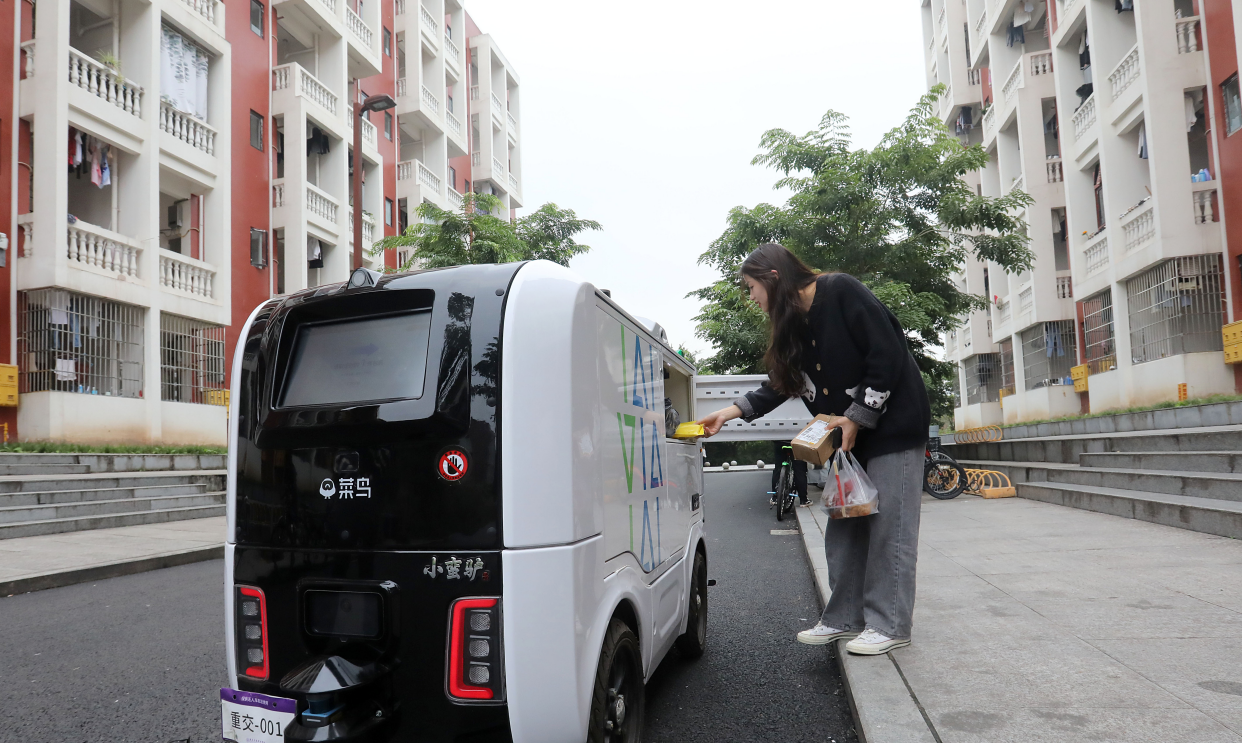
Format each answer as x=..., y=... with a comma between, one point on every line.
x=36, y=563
x=1036, y=622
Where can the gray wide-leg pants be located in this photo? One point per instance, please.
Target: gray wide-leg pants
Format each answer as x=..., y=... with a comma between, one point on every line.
x=871, y=558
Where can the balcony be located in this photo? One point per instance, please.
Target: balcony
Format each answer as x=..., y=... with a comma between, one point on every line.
x=498, y=109
x=189, y=129
x=1139, y=226
x=1084, y=118
x=1187, y=30
x=103, y=83
x=1056, y=173
x=1065, y=287
x=1009, y=91
x=454, y=126
x=989, y=123
x=943, y=23
x=1041, y=63
x=981, y=31
x=184, y=275
x=322, y=207
x=451, y=52
x=1026, y=300
x=429, y=29
x=358, y=29
x=364, y=56
x=105, y=251
x=430, y=102
x=294, y=77
x=1018, y=183
x=1125, y=73
x=512, y=122
x=1095, y=254
x=412, y=174
x=498, y=170
x=1203, y=195
x=368, y=229
x=455, y=199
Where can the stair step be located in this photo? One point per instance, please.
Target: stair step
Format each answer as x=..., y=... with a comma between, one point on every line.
x=96, y=481
x=1207, y=515
x=19, y=514
x=120, y=462
x=60, y=526
x=1212, y=485
x=44, y=469
x=1065, y=449
x=1181, y=461
x=52, y=497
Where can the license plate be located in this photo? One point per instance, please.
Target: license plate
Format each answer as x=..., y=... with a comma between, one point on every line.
x=248, y=717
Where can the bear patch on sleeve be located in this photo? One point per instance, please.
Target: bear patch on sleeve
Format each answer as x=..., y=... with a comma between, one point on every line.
x=875, y=399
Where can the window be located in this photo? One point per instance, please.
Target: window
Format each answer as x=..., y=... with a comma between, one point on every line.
x=1099, y=198
x=258, y=248
x=387, y=211
x=256, y=17
x=448, y=31
x=1049, y=351
x=1233, y=104
x=449, y=103
x=403, y=217
x=387, y=42
x=185, y=86
x=191, y=360
x=70, y=342
x=1176, y=307
x=1097, y=331
x=388, y=125
x=982, y=378
x=256, y=130
x=452, y=178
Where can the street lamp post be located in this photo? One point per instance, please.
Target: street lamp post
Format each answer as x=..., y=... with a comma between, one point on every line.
x=361, y=108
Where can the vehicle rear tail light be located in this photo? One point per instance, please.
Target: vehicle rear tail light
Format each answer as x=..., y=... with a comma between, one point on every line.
x=474, y=658
x=250, y=607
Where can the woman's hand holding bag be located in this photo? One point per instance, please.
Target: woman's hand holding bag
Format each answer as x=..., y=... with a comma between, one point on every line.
x=849, y=492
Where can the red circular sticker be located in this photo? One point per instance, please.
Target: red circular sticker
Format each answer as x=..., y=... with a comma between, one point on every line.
x=453, y=465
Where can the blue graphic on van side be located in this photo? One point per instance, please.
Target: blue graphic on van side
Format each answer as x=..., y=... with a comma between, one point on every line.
x=649, y=563
x=628, y=461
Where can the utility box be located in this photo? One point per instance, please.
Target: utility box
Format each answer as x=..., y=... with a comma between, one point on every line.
x=1231, y=334
x=8, y=385
x=1079, y=375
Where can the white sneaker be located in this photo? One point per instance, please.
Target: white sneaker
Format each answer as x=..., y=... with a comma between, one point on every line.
x=822, y=634
x=871, y=642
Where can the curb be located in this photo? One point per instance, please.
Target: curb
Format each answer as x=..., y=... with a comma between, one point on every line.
x=61, y=578
x=884, y=706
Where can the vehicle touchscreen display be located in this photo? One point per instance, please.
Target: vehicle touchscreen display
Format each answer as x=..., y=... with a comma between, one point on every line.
x=383, y=358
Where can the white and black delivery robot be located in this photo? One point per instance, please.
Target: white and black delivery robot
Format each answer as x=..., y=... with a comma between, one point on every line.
x=455, y=512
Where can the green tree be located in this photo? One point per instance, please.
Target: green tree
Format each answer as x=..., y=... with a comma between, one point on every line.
x=899, y=217
x=474, y=234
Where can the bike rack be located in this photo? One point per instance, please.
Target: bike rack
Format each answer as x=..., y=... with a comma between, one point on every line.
x=989, y=484
x=978, y=435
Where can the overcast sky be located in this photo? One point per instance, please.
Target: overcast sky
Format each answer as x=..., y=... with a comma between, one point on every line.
x=645, y=117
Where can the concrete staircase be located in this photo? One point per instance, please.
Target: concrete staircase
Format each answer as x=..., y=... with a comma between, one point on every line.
x=1188, y=476
x=56, y=493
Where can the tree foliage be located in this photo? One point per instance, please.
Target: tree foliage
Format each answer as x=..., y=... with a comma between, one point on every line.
x=899, y=217
x=474, y=234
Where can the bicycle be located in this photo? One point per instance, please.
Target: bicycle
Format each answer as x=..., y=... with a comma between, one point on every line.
x=943, y=477
x=785, y=494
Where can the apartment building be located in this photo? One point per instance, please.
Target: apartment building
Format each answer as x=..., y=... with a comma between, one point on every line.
x=1107, y=115
x=175, y=163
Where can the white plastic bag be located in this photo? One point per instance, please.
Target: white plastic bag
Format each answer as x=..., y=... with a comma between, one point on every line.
x=849, y=492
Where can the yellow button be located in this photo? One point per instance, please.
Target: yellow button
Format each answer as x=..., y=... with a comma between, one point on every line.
x=812, y=341
x=825, y=390
x=818, y=367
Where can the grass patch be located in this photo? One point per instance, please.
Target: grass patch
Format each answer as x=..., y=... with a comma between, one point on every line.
x=57, y=447
x=1209, y=400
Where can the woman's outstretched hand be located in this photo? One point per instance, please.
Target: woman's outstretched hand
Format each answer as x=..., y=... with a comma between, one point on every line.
x=712, y=422
x=849, y=431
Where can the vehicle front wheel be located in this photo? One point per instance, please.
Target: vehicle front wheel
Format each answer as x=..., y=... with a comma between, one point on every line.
x=618, y=702
x=694, y=641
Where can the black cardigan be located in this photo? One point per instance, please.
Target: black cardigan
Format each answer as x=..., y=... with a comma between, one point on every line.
x=857, y=364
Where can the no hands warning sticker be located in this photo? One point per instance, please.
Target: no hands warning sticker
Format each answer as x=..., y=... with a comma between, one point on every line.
x=453, y=465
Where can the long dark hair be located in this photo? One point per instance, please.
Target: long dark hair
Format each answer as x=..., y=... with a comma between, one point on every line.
x=785, y=311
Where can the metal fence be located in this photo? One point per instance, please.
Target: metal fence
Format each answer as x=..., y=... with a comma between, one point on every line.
x=1097, y=328
x=1048, y=353
x=1008, y=380
x=1176, y=307
x=983, y=378
x=70, y=342
x=191, y=359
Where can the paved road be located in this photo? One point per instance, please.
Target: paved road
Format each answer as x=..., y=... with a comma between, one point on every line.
x=755, y=683
x=139, y=659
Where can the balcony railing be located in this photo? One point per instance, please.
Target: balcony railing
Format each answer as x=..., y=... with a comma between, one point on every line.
x=989, y=121
x=1065, y=287
x=1140, y=228
x=278, y=194
x=401, y=87
x=368, y=129
x=1069, y=8
x=306, y=85
x=1005, y=312
x=105, y=249
x=400, y=9
x=981, y=26
x=104, y=83
x=1041, y=63
x=1056, y=173
x=1012, y=83
x=428, y=19
x=430, y=102
x=321, y=204
x=368, y=228
x=1125, y=73
x=29, y=48
x=26, y=223
x=1096, y=254
x=498, y=169
x=451, y=50
x=497, y=103
x=512, y=122
x=455, y=199
x=205, y=8
x=513, y=181
x=193, y=131
x=1203, y=209
x=405, y=170
x=974, y=77
x=453, y=124
x=358, y=27
x=1187, y=34
x=474, y=92
x=1019, y=183
x=943, y=22
x=427, y=178
x=476, y=158
x=184, y=274
x=1084, y=118
x=1026, y=300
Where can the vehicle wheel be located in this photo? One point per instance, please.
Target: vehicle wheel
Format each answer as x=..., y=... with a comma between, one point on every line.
x=618, y=702
x=783, y=488
x=943, y=479
x=693, y=642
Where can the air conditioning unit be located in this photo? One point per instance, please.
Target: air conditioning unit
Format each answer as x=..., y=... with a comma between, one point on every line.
x=174, y=216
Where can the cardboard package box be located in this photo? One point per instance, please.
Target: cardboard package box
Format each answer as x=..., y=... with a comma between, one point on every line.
x=816, y=443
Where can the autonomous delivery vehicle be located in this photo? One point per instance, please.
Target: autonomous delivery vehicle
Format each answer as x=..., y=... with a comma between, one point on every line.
x=456, y=513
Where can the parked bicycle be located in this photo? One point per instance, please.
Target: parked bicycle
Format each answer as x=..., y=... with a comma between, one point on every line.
x=943, y=477
x=783, y=497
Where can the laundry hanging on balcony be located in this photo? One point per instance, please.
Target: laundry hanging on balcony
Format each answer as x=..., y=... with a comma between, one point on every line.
x=1123, y=6
x=318, y=143
x=183, y=73
x=1142, y=141
x=314, y=253
x=90, y=156
x=1015, y=35
x=963, y=120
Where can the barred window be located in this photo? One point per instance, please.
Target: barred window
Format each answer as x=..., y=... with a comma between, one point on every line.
x=1176, y=307
x=1048, y=353
x=982, y=378
x=1008, y=382
x=70, y=342
x=1097, y=332
x=191, y=359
